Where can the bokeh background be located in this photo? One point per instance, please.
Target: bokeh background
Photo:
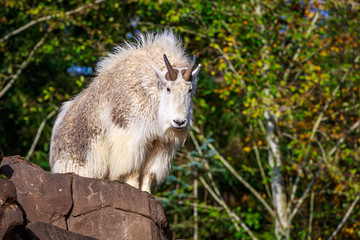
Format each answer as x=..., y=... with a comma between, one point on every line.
x=274, y=152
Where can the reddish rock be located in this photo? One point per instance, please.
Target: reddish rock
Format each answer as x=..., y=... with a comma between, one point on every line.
x=111, y=223
x=77, y=205
x=45, y=231
x=117, y=204
x=90, y=194
x=10, y=214
x=44, y=196
x=7, y=192
x=11, y=220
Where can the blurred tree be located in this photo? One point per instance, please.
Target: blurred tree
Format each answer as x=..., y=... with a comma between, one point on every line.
x=275, y=150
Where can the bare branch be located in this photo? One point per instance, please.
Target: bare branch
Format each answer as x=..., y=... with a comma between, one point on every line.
x=315, y=52
x=242, y=180
x=293, y=190
x=23, y=66
x=341, y=140
x=302, y=198
x=234, y=218
x=257, y=155
x=192, y=204
x=308, y=58
x=165, y=26
x=314, y=130
x=311, y=214
x=220, y=202
x=39, y=131
x=195, y=209
x=297, y=180
x=196, y=144
x=319, y=119
x=206, y=164
x=42, y=19
x=346, y=216
x=296, y=55
x=231, y=66
x=310, y=185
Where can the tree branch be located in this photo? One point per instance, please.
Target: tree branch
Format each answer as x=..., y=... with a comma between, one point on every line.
x=242, y=180
x=234, y=218
x=39, y=131
x=171, y=27
x=297, y=180
x=42, y=19
x=297, y=52
x=311, y=184
x=257, y=156
x=195, y=208
x=341, y=140
x=314, y=130
x=311, y=214
x=206, y=164
x=293, y=190
x=231, y=66
x=23, y=66
x=346, y=216
x=192, y=204
x=302, y=198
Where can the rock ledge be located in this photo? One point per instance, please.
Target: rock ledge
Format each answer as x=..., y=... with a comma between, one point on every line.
x=35, y=204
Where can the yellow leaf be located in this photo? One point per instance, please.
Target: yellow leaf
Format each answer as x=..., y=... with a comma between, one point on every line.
x=317, y=68
x=311, y=14
x=216, y=45
x=247, y=149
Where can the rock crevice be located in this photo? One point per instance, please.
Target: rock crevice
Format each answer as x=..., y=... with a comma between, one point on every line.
x=67, y=216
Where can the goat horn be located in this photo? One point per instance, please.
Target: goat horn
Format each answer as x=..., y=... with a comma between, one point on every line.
x=187, y=74
x=172, y=74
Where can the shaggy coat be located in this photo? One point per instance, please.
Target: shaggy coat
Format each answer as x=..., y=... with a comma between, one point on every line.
x=128, y=123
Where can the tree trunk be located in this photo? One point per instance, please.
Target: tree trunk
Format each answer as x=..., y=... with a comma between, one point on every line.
x=282, y=229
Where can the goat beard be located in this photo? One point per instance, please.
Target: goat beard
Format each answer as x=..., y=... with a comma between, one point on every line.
x=174, y=135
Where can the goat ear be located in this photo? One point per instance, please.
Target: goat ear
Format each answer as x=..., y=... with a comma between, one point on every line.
x=160, y=75
x=195, y=72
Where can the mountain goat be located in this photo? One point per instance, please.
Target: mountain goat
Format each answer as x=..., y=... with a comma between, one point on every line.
x=130, y=120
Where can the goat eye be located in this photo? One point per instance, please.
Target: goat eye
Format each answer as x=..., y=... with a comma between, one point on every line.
x=190, y=90
x=168, y=90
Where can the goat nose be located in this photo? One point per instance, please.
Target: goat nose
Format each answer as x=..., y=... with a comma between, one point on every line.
x=179, y=122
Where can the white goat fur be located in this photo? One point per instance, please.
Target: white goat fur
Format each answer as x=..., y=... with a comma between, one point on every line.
x=120, y=126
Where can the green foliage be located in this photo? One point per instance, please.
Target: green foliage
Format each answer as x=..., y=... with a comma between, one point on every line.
x=294, y=58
